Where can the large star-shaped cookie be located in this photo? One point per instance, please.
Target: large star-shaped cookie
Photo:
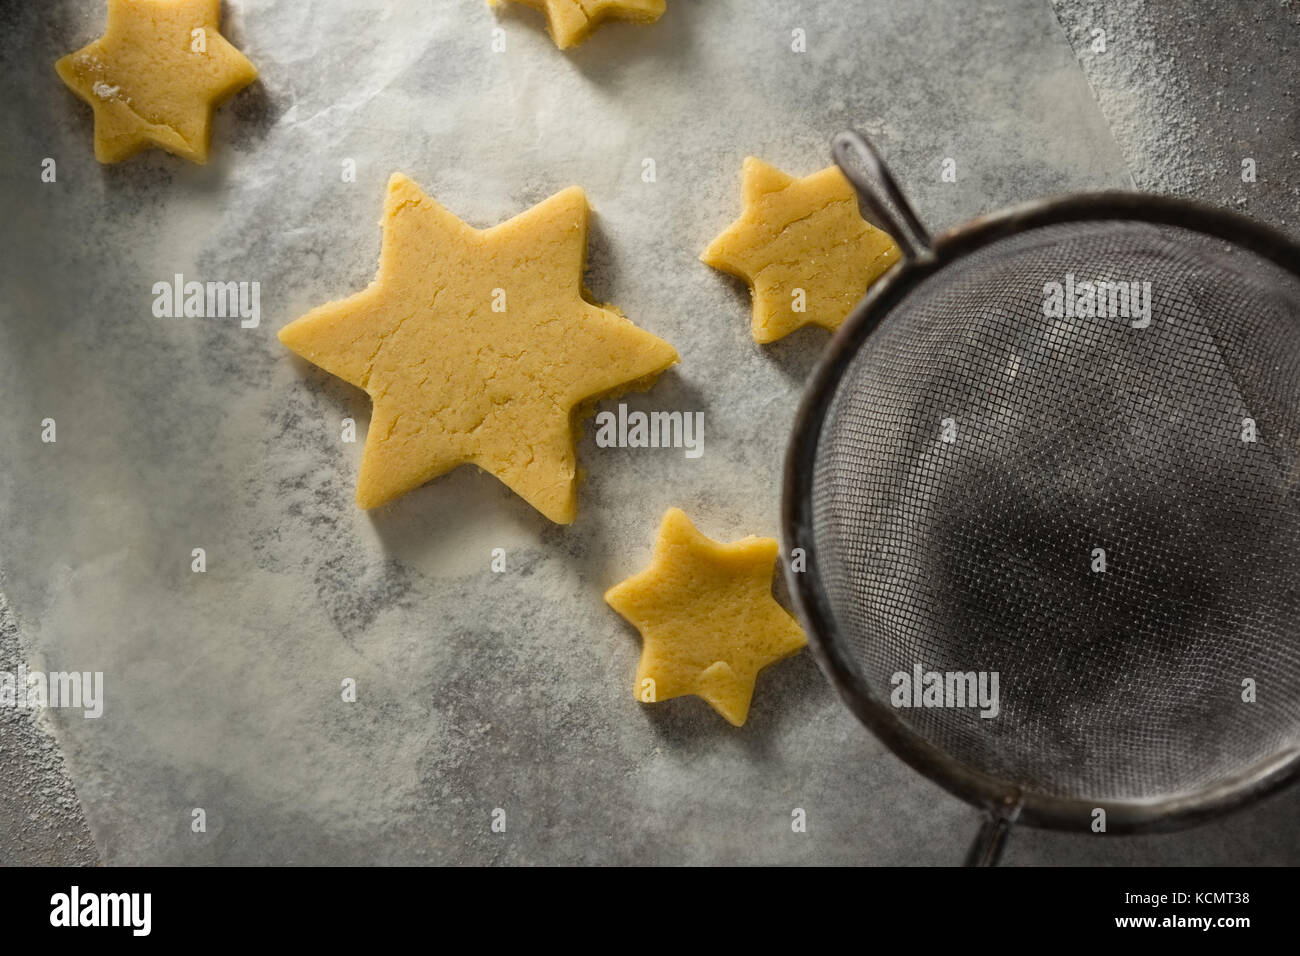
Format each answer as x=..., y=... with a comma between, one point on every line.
x=155, y=76
x=806, y=252
x=571, y=21
x=707, y=617
x=477, y=347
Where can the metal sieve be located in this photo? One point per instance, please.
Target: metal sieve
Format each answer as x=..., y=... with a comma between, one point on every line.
x=1058, y=448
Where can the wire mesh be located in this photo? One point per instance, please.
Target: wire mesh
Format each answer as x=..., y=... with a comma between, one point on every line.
x=982, y=452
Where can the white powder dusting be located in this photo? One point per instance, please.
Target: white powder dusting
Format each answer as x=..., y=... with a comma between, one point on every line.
x=41, y=821
x=1141, y=91
x=1192, y=93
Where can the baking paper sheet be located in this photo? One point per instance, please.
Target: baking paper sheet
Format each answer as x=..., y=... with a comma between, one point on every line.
x=476, y=690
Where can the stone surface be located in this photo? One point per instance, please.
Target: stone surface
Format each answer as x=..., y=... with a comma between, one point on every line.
x=41, y=823
x=1191, y=90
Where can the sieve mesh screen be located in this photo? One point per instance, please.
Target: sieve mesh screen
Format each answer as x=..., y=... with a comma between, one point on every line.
x=1068, y=434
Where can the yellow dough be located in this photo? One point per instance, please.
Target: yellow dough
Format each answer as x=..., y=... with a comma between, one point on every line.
x=155, y=76
x=478, y=347
x=707, y=617
x=571, y=21
x=800, y=242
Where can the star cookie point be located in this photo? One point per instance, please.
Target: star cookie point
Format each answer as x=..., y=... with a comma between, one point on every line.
x=707, y=617
x=803, y=247
x=476, y=347
x=155, y=76
x=572, y=21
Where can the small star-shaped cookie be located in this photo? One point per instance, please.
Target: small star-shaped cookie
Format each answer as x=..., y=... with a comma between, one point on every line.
x=571, y=21
x=802, y=245
x=155, y=76
x=476, y=346
x=707, y=617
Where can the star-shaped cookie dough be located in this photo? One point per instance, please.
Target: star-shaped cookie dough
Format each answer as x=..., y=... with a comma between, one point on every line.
x=155, y=76
x=477, y=347
x=707, y=617
x=806, y=252
x=571, y=21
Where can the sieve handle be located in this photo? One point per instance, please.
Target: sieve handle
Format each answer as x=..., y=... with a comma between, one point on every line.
x=879, y=192
x=992, y=837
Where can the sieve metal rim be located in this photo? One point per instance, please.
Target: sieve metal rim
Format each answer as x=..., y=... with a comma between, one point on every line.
x=922, y=260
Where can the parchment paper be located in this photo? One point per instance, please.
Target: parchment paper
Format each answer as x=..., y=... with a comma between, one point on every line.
x=476, y=690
